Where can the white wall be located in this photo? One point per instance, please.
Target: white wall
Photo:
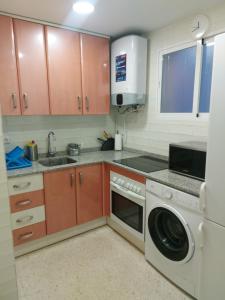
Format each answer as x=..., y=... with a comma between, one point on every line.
x=77, y=129
x=8, y=287
x=146, y=130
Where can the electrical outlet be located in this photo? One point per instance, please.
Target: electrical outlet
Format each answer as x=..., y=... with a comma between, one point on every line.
x=7, y=140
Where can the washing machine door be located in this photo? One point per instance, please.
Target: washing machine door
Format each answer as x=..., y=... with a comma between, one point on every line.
x=170, y=234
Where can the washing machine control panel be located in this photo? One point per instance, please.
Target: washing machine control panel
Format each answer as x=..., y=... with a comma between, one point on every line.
x=170, y=195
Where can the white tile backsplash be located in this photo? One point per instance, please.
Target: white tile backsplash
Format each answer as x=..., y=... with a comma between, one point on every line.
x=78, y=129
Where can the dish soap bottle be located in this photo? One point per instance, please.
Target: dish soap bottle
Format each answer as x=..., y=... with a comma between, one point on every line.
x=32, y=151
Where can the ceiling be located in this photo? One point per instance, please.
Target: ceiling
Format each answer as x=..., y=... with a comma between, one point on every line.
x=111, y=17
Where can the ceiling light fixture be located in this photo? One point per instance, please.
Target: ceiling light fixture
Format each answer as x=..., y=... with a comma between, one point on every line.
x=83, y=7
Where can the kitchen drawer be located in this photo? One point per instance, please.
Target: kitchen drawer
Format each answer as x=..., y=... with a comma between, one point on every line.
x=25, y=184
x=26, y=201
x=29, y=233
x=28, y=217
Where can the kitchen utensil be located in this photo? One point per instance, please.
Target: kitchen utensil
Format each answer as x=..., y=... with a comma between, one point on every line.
x=107, y=145
x=16, y=153
x=73, y=149
x=15, y=159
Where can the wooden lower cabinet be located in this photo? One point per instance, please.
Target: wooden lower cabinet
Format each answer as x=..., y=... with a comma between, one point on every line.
x=29, y=233
x=25, y=201
x=72, y=196
x=106, y=189
x=89, y=193
x=60, y=200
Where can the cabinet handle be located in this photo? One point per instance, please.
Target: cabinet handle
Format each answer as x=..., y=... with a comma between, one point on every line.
x=24, y=219
x=79, y=102
x=14, y=102
x=26, y=236
x=24, y=202
x=21, y=186
x=87, y=103
x=71, y=180
x=25, y=99
x=81, y=177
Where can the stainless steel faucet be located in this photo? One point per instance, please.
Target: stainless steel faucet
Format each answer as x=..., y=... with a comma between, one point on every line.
x=51, y=147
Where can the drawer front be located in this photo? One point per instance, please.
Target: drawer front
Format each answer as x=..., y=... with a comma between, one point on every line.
x=26, y=201
x=28, y=217
x=25, y=184
x=29, y=233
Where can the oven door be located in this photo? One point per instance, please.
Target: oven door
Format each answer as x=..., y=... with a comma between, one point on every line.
x=127, y=210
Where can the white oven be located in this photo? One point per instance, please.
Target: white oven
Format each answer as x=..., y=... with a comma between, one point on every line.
x=127, y=204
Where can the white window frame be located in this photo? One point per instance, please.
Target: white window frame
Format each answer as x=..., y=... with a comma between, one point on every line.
x=197, y=84
x=204, y=116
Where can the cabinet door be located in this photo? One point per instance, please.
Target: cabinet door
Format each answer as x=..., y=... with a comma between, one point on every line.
x=89, y=193
x=64, y=69
x=60, y=200
x=9, y=90
x=95, y=74
x=32, y=67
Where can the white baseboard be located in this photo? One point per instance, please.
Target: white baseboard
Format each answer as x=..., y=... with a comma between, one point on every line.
x=56, y=237
x=70, y=232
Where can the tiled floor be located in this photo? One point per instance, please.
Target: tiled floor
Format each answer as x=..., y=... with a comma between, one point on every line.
x=97, y=265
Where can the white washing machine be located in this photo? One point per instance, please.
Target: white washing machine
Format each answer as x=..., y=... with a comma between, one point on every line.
x=173, y=235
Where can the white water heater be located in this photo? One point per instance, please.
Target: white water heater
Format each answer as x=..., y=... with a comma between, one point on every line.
x=128, y=70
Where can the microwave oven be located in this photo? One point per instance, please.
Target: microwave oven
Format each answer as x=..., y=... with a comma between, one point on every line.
x=188, y=159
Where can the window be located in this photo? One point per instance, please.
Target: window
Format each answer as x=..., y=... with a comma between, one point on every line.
x=186, y=79
x=206, y=76
x=178, y=73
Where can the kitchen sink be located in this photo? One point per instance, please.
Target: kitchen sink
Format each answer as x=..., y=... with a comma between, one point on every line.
x=56, y=161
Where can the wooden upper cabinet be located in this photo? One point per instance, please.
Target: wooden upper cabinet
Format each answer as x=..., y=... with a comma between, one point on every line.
x=60, y=200
x=9, y=90
x=32, y=67
x=64, y=71
x=89, y=186
x=52, y=70
x=95, y=74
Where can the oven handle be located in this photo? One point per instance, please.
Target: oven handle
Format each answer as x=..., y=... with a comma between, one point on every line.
x=135, y=197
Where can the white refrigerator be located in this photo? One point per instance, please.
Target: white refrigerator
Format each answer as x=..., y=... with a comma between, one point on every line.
x=213, y=191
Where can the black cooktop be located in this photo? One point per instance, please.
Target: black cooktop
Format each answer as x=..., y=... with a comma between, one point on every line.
x=144, y=163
